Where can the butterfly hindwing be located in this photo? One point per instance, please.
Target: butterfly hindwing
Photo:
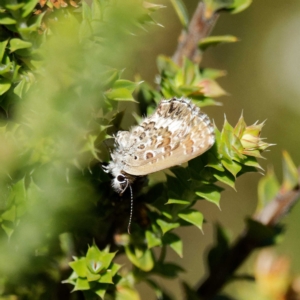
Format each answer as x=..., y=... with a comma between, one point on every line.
x=177, y=132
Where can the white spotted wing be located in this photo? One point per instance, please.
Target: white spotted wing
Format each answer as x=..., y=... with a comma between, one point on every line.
x=176, y=132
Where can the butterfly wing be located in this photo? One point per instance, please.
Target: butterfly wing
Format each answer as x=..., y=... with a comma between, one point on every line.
x=174, y=134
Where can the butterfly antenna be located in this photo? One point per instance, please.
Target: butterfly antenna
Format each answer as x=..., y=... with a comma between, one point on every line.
x=131, y=210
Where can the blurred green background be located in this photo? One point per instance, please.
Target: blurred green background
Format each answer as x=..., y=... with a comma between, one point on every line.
x=263, y=81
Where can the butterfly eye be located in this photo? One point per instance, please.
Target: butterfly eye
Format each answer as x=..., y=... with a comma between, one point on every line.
x=121, y=178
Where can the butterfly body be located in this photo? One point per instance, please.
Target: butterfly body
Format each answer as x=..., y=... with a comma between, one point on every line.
x=175, y=133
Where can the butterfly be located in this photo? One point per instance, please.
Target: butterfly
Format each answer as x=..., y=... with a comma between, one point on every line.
x=175, y=133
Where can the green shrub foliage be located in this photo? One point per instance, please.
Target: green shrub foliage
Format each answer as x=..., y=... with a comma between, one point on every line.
x=62, y=98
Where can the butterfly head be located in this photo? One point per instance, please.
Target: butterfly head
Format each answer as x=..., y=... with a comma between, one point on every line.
x=121, y=180
x=120, y=183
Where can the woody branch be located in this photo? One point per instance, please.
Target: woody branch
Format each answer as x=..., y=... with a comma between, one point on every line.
x=200, y=27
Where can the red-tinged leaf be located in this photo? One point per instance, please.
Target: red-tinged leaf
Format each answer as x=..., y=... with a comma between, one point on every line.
x=210, y=88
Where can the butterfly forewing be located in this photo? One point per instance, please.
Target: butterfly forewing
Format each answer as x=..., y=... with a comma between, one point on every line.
x=174, y=134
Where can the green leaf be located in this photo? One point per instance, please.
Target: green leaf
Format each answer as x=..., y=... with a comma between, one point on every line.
x=120, y=94
x=240, y=127
x=229, y=144
x=181, y=11
x=114, y=268
x=10, y=214
x=5, y=68
x=125, y=84
x=97, y=260
x=18, y=90
x=81, y=284
x=177, y=201
x=290, y=173
x=125, y=292
x=240, y=5
x=268, y=187
x=14, y=7
x=106, y=277
x=33, y=24
x=213, y=6
x=174, y=241
x=109, y=77
x=96, y=10
x=212, y=73
x=100, y=290
x=91, y=276
x=214, y=162
x=141, y=258
x=251, y=161
x=192, y=216
x=232, y=166
x=2, y=48
x=86, y=11
x=5, y=19
x=225, y=177
x=16, y=44
x=122, y=90
x=152, y=239
x=4, y=85
x=211, y=193
x=28, y=7
x=216, y=40
x=8, y=229
x=79, y=266
x=166, y=226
